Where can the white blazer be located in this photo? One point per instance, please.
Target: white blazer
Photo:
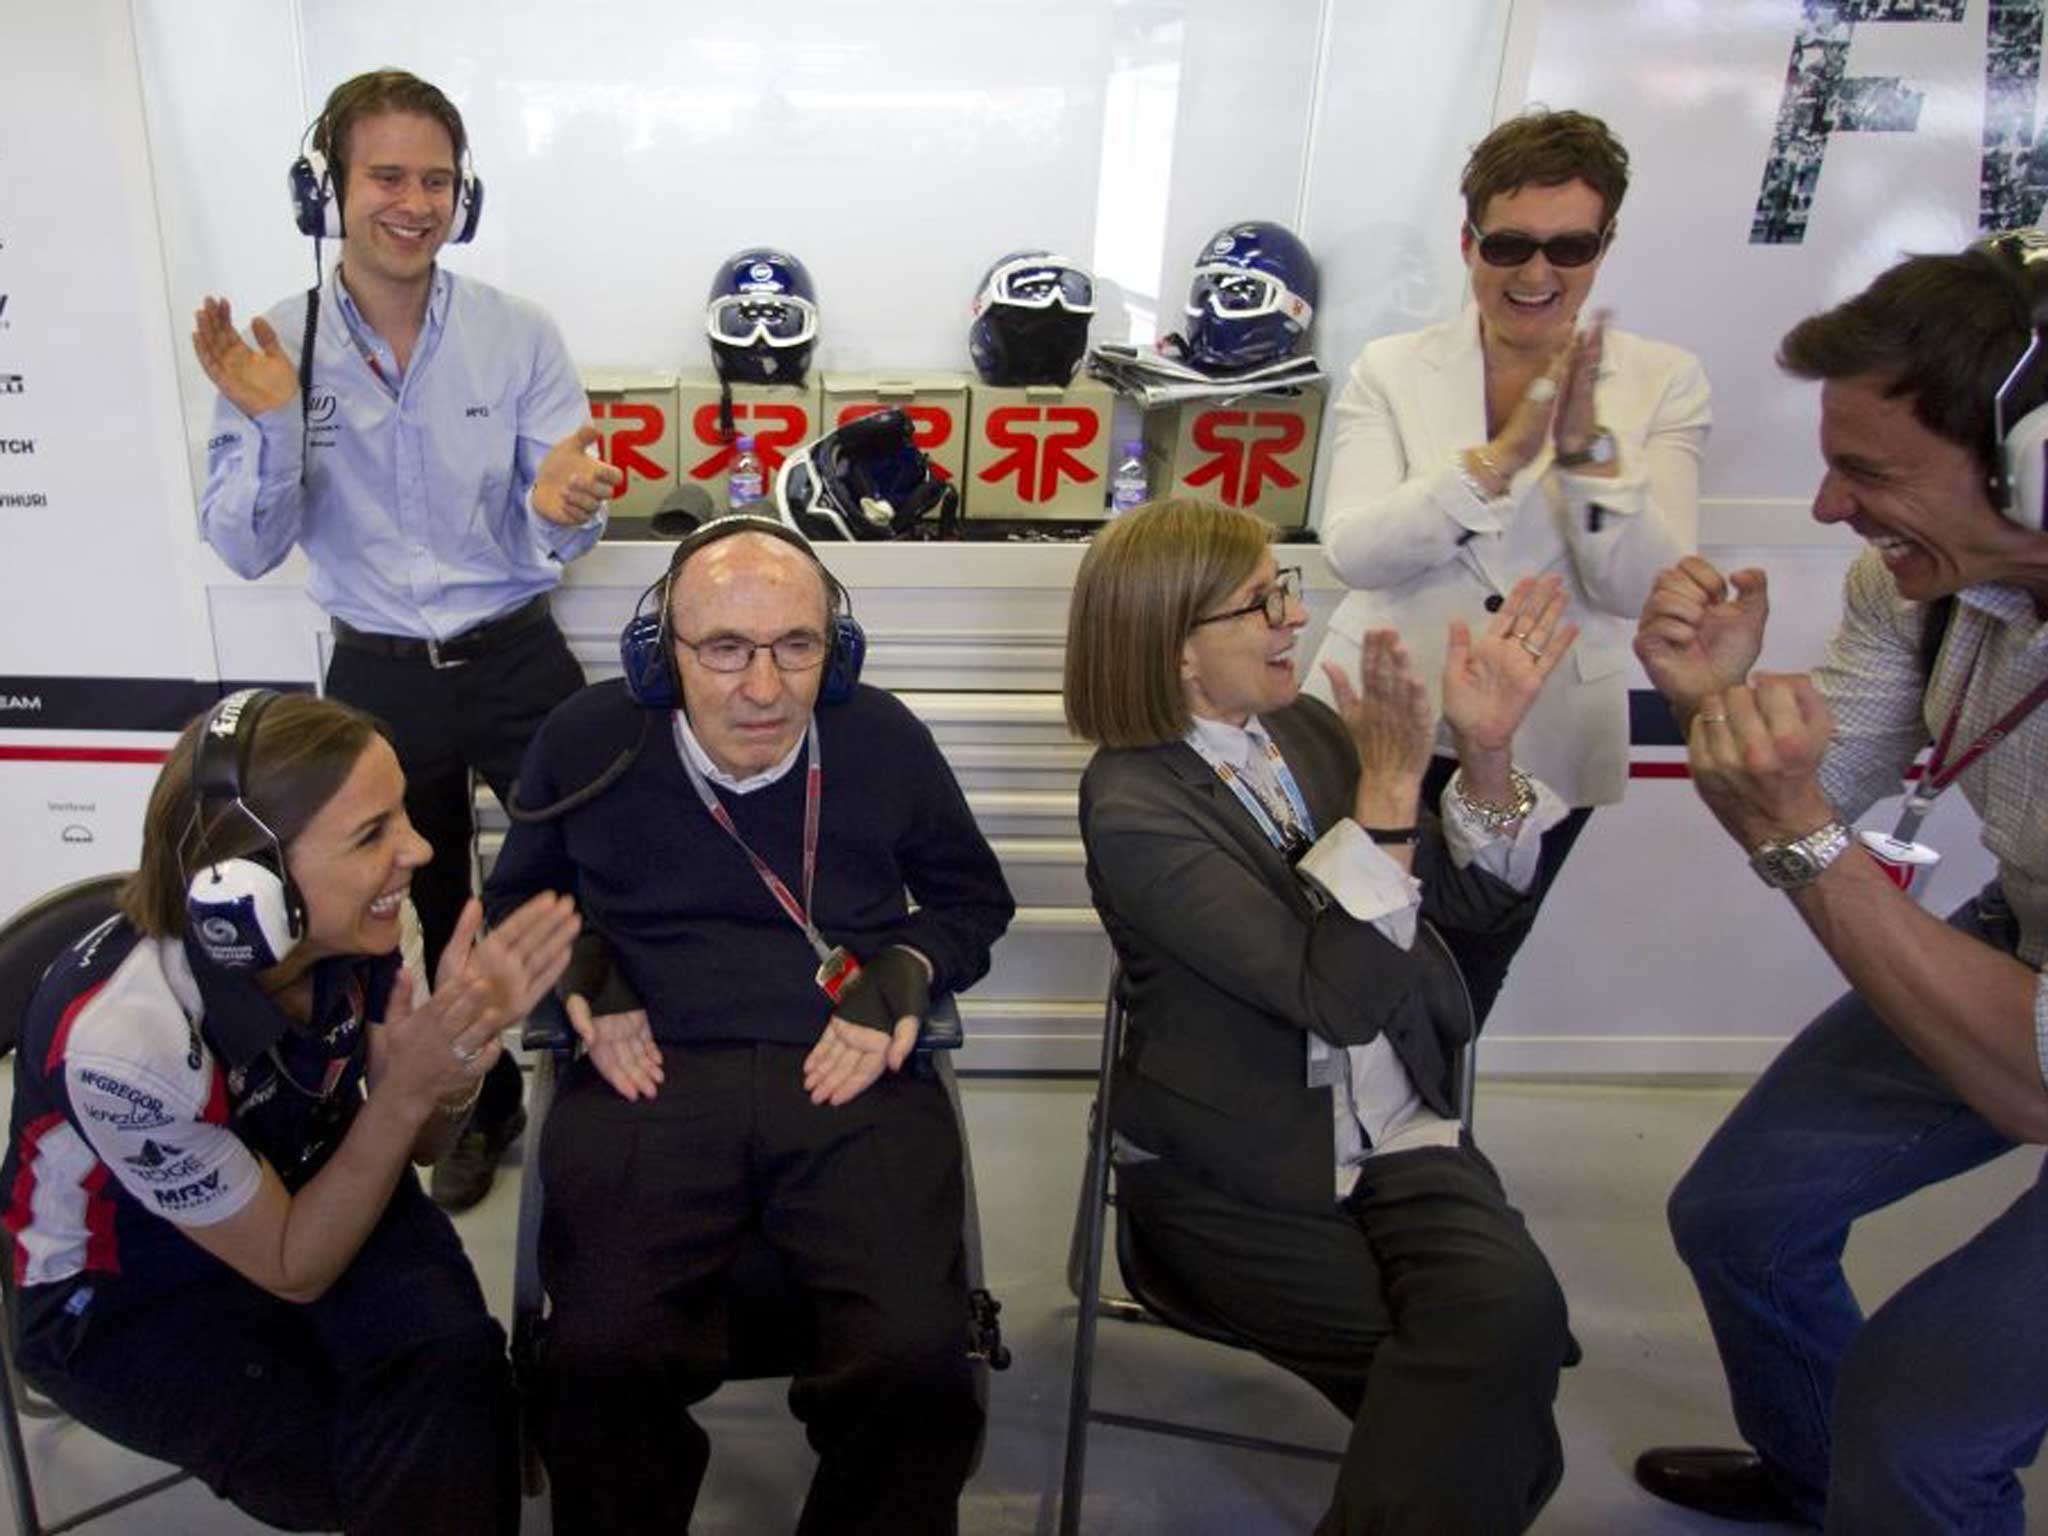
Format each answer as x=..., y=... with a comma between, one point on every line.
x=1419, y=549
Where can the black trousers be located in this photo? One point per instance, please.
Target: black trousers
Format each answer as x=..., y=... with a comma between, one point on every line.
x=384, y=1406
x=647, y=1206
x=1421, y=1307
x=1485, y=957
x=445, y=721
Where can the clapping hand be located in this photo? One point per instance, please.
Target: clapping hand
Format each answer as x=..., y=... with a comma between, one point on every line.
x=1577, y=418
x=571, y=486
x=1700, y=633
x=254, y=379
x=1389, y=715
x=1490, y=682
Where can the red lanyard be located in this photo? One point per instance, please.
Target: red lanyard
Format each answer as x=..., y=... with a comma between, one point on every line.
x=814, y=792
x=1940, y=772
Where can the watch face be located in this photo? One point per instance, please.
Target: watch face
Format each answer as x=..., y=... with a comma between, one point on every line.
x=1784, y=864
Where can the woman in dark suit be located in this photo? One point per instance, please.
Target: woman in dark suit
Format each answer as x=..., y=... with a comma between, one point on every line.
x=1287, y=1140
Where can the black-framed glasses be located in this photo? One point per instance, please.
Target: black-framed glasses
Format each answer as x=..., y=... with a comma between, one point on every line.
x=1286, y=589
x=799, y=652
x=1511, y=247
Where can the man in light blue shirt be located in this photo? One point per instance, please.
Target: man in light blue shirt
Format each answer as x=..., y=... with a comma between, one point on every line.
x=426, y=444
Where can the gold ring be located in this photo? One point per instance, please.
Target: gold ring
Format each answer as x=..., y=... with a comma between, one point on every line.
x=1533, y=650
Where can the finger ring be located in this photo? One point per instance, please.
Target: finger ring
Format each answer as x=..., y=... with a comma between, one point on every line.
x=466, y=1053
x=1542, y=390
x=1533, y=650
x=1712, y=719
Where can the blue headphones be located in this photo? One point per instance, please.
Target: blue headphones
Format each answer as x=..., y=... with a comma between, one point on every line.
x=646, y=651
x=316, y=207
x=244, y=913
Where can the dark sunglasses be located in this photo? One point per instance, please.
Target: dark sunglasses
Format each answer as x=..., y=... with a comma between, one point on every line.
x=1511, y=248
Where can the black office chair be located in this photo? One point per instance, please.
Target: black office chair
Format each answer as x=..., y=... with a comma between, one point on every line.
x=29, y=941
x=1155, y=1296
x=771, y=1326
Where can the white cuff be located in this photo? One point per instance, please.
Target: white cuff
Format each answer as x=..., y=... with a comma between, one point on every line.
x=1512, y=861
x=1360, y=877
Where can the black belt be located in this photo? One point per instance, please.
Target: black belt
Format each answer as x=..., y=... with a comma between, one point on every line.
x=457, y=651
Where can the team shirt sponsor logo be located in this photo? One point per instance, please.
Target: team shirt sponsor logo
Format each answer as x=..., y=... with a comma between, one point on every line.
x=195, y=1196
x=161, y=1163
x=119, y=1105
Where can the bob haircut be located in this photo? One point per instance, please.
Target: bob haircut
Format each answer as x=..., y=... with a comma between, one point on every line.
x=1939, y=331
x=1144, y=581
x=372, y=95
x=304, y=749
x=1541, y=148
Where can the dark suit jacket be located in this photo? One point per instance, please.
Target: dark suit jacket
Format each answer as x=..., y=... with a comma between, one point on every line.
x=1230, y=959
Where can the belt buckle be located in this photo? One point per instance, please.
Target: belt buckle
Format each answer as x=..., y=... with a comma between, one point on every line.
x=434, y=657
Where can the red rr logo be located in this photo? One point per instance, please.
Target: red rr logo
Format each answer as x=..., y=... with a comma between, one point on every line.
x=1245, y=463
x=930, y=425
x=789, y=424
x=623, y=443
x=1038, y=462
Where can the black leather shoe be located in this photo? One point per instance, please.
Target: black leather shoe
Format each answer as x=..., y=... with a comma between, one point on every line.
x=1731, y=1484
x=463, y=1175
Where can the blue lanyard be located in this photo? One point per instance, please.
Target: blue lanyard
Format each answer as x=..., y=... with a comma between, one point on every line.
x=1289, y=827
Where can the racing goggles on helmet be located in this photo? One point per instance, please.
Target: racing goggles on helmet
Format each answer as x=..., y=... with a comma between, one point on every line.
x=748, y=319
x=1038, y=282
x=1240, y=293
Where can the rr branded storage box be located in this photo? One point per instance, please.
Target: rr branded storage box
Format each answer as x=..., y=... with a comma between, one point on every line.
x=635, y=410
x=1039, y=452
x=1255, y=453
x=779, y=418
x=936, y=404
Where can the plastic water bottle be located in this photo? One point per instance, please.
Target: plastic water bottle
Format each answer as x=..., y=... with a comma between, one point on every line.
x=1127, y=487
x=747, y=485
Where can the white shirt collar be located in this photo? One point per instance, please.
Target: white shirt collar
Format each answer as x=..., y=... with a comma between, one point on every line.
x=1238, y=745
x=718, y=775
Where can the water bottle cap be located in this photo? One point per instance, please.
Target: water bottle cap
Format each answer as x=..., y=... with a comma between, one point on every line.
x=1133, y=448
x=746, y=444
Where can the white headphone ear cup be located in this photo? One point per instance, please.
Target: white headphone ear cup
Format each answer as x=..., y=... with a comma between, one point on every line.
x=2026, y=468
x=240, y=915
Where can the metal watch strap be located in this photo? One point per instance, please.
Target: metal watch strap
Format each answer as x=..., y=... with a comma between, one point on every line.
x=1591, y=453
x=1798, y=862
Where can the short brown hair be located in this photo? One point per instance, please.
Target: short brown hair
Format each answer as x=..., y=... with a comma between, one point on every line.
x=1942, y=330
x=1144, y=581
x=1546, y=149
x=303, y=750
x=371, y=95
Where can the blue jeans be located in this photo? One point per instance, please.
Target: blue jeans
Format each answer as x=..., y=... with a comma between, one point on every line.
x=1914, y=1419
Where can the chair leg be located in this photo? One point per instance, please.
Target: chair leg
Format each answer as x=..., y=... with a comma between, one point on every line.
x=1081, y=1387
x=529, y=1299
x=26, y=1519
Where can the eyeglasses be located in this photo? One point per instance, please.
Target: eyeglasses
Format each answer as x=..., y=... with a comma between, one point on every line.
x=1286, y=589
x=799, y=652
x=1511, y=248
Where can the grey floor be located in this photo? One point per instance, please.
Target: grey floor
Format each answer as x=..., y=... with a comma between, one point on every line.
x=1590, y=1165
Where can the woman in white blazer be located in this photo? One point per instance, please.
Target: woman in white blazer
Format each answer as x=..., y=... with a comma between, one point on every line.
x=1509, y=442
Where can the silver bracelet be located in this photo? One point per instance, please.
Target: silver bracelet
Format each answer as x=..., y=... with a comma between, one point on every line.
x=456, y=1109
x=1493, y=817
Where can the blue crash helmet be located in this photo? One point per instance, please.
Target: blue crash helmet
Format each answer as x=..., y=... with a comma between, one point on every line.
x=762, y=317
x=1030, y=320
x=1251, y=298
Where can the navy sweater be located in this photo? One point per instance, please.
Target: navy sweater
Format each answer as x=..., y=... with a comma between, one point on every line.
x=692, y=929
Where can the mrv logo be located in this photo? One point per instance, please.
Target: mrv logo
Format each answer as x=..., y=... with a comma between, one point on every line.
x=1822, y=98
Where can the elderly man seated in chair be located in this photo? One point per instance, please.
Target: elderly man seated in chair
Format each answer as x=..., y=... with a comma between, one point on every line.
x=765, y=983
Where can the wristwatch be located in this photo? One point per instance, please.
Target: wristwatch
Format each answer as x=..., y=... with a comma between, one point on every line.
x=1598, y=449
x=1789, y=865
